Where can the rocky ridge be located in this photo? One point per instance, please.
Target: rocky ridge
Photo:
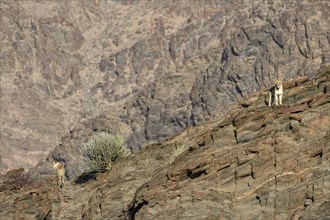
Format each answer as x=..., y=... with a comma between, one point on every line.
x=257, y=162
x=77, y=67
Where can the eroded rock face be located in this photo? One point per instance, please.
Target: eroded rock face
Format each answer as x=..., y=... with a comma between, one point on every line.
x=146, y=69
x=257, y=162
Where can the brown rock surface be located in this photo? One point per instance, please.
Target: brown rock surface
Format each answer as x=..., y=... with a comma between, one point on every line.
x=257, y=162
x=146, y=69
x=252, y=165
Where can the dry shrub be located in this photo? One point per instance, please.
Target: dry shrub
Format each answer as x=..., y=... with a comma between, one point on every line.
x=18, y=178
x=179, y=149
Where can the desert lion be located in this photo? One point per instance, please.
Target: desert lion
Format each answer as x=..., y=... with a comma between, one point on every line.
x=277, y=92
x=60, y=171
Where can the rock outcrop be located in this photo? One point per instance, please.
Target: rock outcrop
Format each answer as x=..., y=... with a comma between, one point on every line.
x=146, y=69
x=257, y=162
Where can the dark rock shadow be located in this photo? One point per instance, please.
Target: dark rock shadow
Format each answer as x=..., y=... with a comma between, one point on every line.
x=85, y=177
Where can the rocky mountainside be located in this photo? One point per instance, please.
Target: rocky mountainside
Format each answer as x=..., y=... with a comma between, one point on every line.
x=256, y=162
x=145, y=69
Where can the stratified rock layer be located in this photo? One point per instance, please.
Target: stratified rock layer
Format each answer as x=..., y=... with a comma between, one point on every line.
x=257, y=162
x=148, y=68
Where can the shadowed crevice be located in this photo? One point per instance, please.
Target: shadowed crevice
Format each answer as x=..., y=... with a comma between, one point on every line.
x=133, y=210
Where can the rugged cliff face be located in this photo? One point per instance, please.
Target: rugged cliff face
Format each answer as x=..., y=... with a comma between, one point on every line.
x=146, y=69
x=257, y=162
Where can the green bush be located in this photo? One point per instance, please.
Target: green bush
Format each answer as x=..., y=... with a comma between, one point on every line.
x=101, y=150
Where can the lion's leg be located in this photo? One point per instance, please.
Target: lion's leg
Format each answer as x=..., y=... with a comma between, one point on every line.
x=276, y=99
x=63, y=185
x=59, y=181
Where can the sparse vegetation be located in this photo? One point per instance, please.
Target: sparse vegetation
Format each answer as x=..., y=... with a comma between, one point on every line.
x=101, y=150
x=18, y=179
x=179, y=149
